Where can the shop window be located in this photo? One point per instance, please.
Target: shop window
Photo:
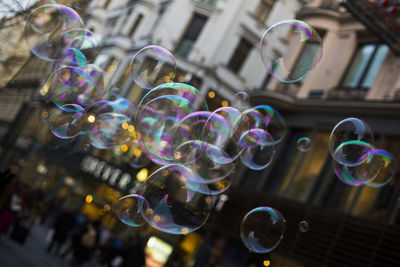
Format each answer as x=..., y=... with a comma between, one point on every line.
x=191, y=34
x=263, y=10
x=364, y=66
x=239, y=56
x=136, y=24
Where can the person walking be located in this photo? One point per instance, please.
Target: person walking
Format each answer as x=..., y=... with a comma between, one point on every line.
x=63, y=224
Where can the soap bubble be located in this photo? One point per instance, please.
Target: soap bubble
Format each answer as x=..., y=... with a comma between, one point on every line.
x=262, y=229
x=109, y=130
x=152, y=66
x=268, y=119
x=68, y=121
x=258, y=157
x=304, y=144
x=301, y=36
x=49, y=31
x=241, y=101
x=304, y=226
x=222, y=132
x=350, y=129
x=174, y=203
x=127, y=209
x=378, y=168
x=70, y=85
x=351, y=153
x=137, y=159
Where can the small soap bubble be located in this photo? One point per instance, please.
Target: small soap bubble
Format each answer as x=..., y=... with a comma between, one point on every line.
x=262, y=229
x=304, y=226
x=304, y=144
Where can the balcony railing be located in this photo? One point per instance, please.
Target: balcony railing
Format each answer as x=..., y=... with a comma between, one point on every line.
x=330, y=4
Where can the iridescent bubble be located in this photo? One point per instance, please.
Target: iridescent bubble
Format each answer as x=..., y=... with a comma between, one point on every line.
x=48, y=31
x=262, y=229
x=301, y=35
x=127, y=209
x=160, y=122
x=268, y=119
x=70, y=85
x=31, y=4
x=351, y=153
x=350, y=129
x=101, y=79
x=304, y=144
x=173, y=202
x=241, y=101
x=73, y=56
x=304, y=226
x=101, y=107
x=152, y=66
x=378, y=168
x=222, y=133
x=137, y=159
x=109, y=130
x=207, y=171
x=68, y=121
x=258, y=157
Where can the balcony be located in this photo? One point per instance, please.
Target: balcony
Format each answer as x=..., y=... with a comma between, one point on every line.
x=347, y=94
x=184, y=48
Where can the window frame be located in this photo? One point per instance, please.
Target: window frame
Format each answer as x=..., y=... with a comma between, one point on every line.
x=230, y=63
x=349, y=66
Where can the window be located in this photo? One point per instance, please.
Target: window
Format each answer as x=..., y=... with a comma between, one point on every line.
x=240, y=55
x=365, y=66
x=263, y=9
x=107, y=3
x=191, y=34
x=136, y=24
x=305, y=60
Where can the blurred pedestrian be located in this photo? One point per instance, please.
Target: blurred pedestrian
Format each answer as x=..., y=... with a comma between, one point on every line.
x=133, y=254
x=63, y=224
x=13, y=203
x=88, y=244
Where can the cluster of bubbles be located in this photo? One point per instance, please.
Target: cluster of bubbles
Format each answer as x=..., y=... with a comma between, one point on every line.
x=357, y=162
x=172, y=126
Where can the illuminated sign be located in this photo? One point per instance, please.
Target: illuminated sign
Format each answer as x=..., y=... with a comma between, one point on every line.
x=113, y=176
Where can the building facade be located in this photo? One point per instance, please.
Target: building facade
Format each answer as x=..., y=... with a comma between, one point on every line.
x=215, y=44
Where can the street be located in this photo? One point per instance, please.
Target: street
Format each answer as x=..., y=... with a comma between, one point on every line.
x=31, y=254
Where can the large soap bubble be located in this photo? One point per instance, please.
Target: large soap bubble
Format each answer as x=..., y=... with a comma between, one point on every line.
x=303, y=37
x=175, y=204
x=153, y=65
x=262, y=229
x=49, y=31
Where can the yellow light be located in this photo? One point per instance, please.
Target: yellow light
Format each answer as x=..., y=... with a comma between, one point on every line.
x=131, y=128
x=167, y=79
x=177, y=155
x=181, y=79
x=89, y=199
x=225, y=103
x=125, y=125
x=142, y=175
x=107, y=207
x=211, y=94
x=91, y=118
x=137, y=152
x=266, y=263
x=124, y=148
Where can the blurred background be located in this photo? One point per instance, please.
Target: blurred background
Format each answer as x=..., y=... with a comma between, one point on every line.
x=216, y=47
